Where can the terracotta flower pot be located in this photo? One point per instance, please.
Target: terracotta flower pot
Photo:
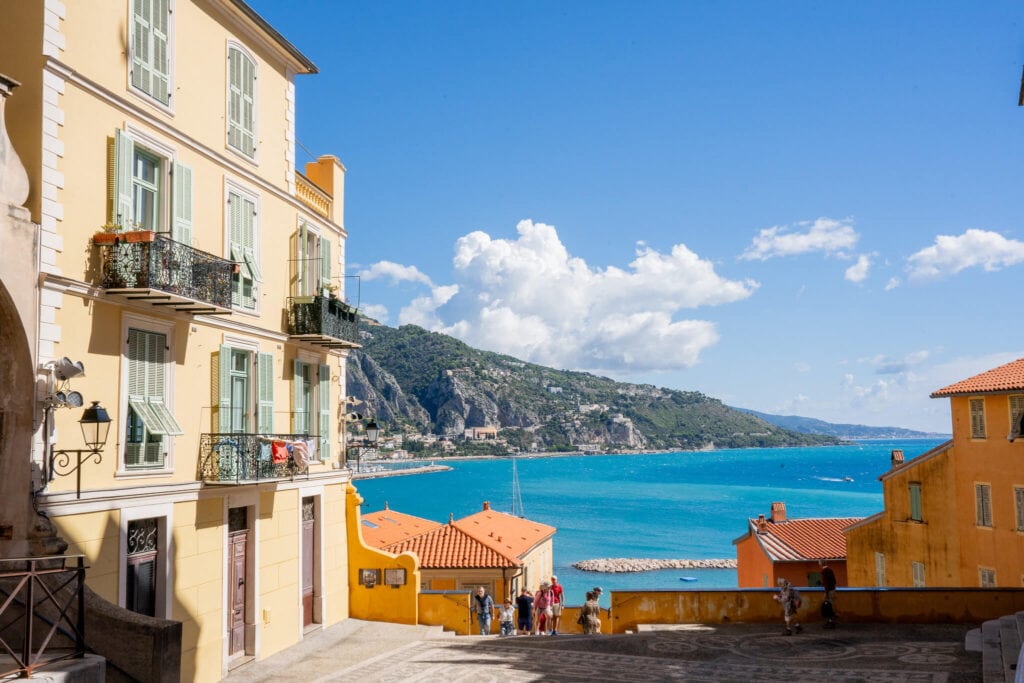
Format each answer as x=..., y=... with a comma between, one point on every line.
x=104, y=238
x=138, y=236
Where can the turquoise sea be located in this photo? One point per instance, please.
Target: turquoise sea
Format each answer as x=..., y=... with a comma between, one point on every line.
x=688, y=505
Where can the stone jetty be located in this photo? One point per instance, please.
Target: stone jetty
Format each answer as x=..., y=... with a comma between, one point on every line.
x=626, y=564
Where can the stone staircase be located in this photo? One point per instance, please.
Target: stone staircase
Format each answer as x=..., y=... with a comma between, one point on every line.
x=999, y=641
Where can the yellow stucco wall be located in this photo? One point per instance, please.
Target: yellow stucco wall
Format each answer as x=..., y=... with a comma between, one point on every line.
x=97, y=536
x=450, y=609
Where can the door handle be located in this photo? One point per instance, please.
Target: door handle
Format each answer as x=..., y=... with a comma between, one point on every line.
x=241, y=582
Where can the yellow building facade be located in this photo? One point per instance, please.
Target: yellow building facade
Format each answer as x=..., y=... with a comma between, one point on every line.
x=198, y=278
x=954, y=516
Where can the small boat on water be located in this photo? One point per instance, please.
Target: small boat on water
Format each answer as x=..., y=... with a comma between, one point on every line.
x=687, y=578
x=847, y=478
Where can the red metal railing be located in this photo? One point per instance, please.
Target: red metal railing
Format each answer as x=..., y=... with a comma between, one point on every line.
x=39, y=592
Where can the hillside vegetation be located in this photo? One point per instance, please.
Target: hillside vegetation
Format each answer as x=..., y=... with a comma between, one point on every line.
x=427, y=382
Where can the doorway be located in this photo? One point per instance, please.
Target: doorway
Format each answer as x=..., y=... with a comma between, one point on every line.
x=237, y=588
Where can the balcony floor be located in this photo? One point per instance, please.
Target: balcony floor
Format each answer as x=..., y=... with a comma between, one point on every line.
x=159, y=298
x=324, y=340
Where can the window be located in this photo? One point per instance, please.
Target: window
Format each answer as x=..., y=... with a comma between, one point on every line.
x=138, y=189
x=986, y=577
x=915, y=501
x=149, y=421
x=918, y=571
x=238, y=392
x=149, y=46
x=1018, y=495
x=306, y=405
x=983, y=501
x=880, y=569
x=242, y=219
x=977, y=418
x=141, y=566
x=1016, y=415
x=311, y=262
x=241, y=102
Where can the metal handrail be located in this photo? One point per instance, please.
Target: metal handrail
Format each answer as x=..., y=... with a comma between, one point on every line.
x=236, y=458
x=32, y=578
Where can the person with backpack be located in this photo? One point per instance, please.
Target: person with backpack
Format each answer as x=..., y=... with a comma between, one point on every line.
x=828, y=606
x=483, y=605
x=789, y=598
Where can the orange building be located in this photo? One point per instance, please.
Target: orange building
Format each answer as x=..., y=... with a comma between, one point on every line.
x=779, y=548
x=387, y=526
x=954, y=516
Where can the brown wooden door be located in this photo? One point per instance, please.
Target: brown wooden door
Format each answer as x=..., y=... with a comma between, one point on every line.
x=308, y=558
x=237, y=542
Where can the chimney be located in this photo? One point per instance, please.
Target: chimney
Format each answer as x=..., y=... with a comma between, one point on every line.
x=386, y=505
x=487, y=505
x=778, y=512
x=451, y=518
x=762, y=523
x=897, y=458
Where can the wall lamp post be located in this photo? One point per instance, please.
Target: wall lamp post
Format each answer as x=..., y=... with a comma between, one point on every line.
x=372, y=432
x=95, y=425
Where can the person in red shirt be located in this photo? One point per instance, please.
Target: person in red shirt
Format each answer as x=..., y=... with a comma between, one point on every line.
x=557, y=602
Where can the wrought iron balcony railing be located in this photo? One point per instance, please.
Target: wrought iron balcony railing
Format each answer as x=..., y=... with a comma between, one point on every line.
x=246, y=458
x=41, y=598
x=167, y=273
x=324, y=321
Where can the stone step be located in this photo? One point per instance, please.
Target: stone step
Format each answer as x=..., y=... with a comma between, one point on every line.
x=972, y=641
x=1009, y=642
x=991, y=653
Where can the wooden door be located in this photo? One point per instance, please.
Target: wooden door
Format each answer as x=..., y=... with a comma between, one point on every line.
x=236, y=591
x=308, y=558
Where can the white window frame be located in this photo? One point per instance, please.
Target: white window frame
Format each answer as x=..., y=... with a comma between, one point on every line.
x=167, y=156
x=979, y=427
x=233, y=187
x=167, y=107
x=254, y=157
x=917, y=570
x=986, y=577
x=165, y=551
x=983, y=505
x=166, y=328
x=252, y=347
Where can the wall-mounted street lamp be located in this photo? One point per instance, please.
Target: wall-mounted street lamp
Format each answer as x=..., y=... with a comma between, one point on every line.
x=95, y=425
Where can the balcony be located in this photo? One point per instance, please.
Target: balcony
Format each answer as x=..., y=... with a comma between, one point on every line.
x=313, y=197
x=323, y=321
x=167, y=274
x=234, y=459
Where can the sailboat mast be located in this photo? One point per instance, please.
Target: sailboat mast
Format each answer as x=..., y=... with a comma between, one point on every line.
x=517, y=494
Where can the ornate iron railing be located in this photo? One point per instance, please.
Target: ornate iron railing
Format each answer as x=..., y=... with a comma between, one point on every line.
x=39, y=592
x=323, y=315
x=167, y=266
x=244, y=458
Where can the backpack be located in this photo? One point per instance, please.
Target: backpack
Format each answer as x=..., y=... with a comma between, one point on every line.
x=795, y=599
x=827, y=611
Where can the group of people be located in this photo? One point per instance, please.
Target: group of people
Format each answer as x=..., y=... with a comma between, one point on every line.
x=538, y=613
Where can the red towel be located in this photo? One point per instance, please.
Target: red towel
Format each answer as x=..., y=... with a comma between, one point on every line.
x=278, y=452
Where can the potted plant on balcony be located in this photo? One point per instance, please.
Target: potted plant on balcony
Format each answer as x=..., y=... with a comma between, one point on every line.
x=138, y=236
x=106, y=234
x=330, y=291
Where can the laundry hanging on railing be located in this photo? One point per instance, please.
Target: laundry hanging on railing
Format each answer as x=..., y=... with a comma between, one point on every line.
x=303, y=451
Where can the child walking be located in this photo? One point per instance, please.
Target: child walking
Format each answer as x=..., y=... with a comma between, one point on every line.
x=506, y=615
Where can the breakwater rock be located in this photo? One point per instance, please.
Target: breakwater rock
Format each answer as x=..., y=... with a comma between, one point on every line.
x=624, y=564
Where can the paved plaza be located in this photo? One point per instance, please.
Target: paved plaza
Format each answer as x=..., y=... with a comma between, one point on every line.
x=370, y=652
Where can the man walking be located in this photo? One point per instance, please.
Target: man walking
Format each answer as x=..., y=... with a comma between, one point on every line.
x=828, y=607
x=483, y=605
x=557, y=602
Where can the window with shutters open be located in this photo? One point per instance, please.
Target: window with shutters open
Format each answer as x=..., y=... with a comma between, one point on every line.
x=241, y=118
x=149, y=420
x=150, y=48
x=977, y=418
x=311, y=262
x=243, y=250
x=137, y=182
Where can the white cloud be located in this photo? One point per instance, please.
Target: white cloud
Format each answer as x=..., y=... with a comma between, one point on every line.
x=887, y=365
x=376, y=311
x=801, y=367
x=892, y=284
x=530, y=298
x=858, y=272
x=952, y=253
x=833, y=237
x=395, y=272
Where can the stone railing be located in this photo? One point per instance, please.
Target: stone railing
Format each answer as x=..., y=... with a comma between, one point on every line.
x=312, y=196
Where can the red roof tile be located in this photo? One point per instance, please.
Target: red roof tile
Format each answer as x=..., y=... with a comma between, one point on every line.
x=804, y=539
x=387, y=526
x=509, y=535
x=1008, y=377
x=449, y=547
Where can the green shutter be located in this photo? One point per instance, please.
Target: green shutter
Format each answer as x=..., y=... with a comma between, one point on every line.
x=241, y=102
x=300, y=421
x=325, y=263
x=182, y=203
x=294, y=269
x=302, y=260
x=223, y=375
x=161, y=63
x=323, y=401
x=150, y=69
x=124, y=156
x=265, y=389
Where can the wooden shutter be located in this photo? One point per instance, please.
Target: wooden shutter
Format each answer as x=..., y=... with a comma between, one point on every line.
x=223, y=376
x=161, y=63
x=325, y=263
x=323, y=402
x=124, y=157
x=140, y=47
x=915, y=502
x=241, y=102
x=300, y=420
x=1018, y=494
x=141, y=583
x=301, y=262
x=182, y=203
x=265, y=389
x=977, y=406
x=983, y=499
x=150, y=63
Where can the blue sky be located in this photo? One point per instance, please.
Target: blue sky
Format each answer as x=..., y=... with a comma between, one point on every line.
x=803, y=208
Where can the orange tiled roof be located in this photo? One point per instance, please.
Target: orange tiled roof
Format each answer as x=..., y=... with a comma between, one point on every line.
x=387, y=526
x=804, y=539
x=509, y=535
x=449, y=547
x=1008, y=377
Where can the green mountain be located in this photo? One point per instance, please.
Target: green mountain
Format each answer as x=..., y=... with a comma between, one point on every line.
x=427, y=382
x=808, y=425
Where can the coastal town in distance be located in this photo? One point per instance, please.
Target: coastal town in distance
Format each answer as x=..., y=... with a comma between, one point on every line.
x=375, y=341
